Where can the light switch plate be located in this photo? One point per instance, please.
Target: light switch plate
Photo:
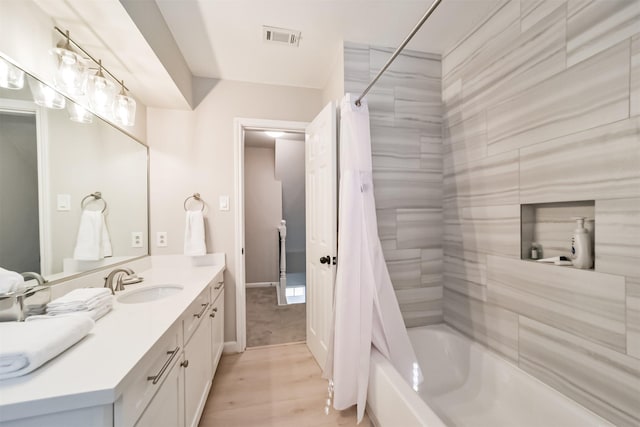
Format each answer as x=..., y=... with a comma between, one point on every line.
x=64, y=202
x=224, y=203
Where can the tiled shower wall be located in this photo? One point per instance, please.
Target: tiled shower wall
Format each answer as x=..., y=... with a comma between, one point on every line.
x=542, y=104
x=405, y=109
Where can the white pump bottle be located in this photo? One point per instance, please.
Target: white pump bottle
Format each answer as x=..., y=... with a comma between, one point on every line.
x=581, y=253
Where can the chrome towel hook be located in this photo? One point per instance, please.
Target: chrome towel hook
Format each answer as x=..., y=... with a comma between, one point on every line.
x=195, y=196
x=96, y=196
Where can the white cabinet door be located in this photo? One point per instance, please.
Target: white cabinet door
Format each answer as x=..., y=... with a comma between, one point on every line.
x=166, y=409
x=322, y=228
x=197, y=372
x=217, y=331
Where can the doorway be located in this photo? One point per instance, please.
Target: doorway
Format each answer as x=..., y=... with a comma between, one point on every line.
x=274, y=228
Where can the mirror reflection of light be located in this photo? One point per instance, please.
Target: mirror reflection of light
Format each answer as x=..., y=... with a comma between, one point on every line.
x=415, y=377
x=45, y=95
x=79, y=114
x=11, y=77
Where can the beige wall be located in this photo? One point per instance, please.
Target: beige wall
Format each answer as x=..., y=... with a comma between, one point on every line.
x=193, y=151
x=539, y=108
x=334, y=87
x=262, y=215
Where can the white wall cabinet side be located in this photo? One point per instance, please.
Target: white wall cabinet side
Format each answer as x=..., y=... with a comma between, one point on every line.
x=197, y=371
x=167, y=406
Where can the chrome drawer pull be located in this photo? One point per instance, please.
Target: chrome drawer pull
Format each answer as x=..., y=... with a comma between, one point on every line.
x=220, y=284
x=204, y=308
x=155, y=378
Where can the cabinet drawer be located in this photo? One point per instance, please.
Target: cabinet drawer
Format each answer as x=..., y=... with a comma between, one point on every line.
x=194, y=314
x=147, y=377
x=217, y=285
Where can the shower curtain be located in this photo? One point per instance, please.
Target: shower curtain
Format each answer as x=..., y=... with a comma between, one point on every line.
x=366, y=310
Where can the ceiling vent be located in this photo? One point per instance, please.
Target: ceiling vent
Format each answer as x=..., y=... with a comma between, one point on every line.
x=280, y=36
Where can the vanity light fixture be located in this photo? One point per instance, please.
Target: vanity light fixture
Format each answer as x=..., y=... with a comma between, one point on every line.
x=71, y=77
x=71, y=68
x=78, y=113
x=274, y=134
x=46, y=96
x=11, y=77
x=124, y=108
x=100, y=92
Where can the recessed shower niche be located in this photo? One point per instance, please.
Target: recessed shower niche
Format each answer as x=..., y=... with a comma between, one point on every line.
x=546, y=229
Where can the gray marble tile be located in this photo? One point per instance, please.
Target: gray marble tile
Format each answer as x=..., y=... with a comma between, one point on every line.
x=381, y=103
x=558, y=106
x=386, y=223
x=419, y=228
x=356, y=63
x=411, y=69
x=603, y=380
x=421, y=306
x=601, y=163
x=386, y=139
x=635, y=76
x=523, y=61
x=593, y=26
x=478, y=40
x=533, y=11
x=633, y=326
x=431, y=267
x=618, y=237
x=585, y=303
x=492, y=326
x=431, y=151
x=466, y=274
x=489, y=181
x=465, y=141
x=404, y=267
x=417, y=113
x=452, y=101
x=492, y=230
x=405, y=188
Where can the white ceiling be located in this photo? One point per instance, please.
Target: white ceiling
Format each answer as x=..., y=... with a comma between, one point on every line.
x=222, y=38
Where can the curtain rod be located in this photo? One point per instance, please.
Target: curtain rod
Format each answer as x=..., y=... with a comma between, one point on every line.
x=413, y=32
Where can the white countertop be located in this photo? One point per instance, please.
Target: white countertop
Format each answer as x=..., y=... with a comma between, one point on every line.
x=93, y=371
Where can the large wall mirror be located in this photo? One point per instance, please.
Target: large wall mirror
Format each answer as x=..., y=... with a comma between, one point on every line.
x=73, y=188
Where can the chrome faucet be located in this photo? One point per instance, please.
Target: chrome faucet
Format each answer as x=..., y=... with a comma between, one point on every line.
x=119, y=273
x=36, y=276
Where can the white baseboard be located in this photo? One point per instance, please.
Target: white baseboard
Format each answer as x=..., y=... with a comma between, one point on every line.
x=261, y=284
x=231, y=347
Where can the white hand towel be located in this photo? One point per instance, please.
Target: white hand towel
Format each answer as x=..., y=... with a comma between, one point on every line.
x=10, y=281
x=95, y=313
x=89, y=240
x=25, y=346
x=194, y=244
x=81, y=299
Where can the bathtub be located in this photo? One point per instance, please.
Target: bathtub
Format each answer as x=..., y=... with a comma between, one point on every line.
x=466, y=385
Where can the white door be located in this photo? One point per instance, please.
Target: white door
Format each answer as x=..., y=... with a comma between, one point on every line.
x=322, y=228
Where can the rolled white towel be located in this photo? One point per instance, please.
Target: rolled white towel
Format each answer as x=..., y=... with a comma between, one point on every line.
x=25, y=346
x=10, y=281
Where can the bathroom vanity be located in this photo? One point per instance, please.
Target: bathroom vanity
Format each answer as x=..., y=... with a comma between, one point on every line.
x=149, y=362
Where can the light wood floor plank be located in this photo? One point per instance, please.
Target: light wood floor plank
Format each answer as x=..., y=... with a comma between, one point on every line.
x=279, y=386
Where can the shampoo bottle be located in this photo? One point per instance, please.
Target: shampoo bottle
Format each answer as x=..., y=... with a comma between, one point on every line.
x=581, y=253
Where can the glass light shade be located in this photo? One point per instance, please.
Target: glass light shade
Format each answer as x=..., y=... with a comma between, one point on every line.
x=124, y=110
x=11, y=77
x=71, y=71
x=78, y=113
x=45, y=95
x=100, y=92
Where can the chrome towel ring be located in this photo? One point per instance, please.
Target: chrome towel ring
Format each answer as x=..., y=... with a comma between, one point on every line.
x=195, y=196
x=96, y=196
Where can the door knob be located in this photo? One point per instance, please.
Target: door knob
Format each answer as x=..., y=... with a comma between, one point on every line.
x=325, y=260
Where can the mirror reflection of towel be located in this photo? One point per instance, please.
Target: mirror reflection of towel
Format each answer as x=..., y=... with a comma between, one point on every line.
x=194, y=244
x=93, y=242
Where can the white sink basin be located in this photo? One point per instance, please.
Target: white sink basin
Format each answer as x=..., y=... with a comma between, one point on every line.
x=150, y=293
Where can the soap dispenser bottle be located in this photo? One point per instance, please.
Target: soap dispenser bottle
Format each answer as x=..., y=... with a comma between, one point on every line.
x=581, y=253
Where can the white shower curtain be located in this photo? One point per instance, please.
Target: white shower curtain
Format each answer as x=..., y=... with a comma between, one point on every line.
x=366, y=310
